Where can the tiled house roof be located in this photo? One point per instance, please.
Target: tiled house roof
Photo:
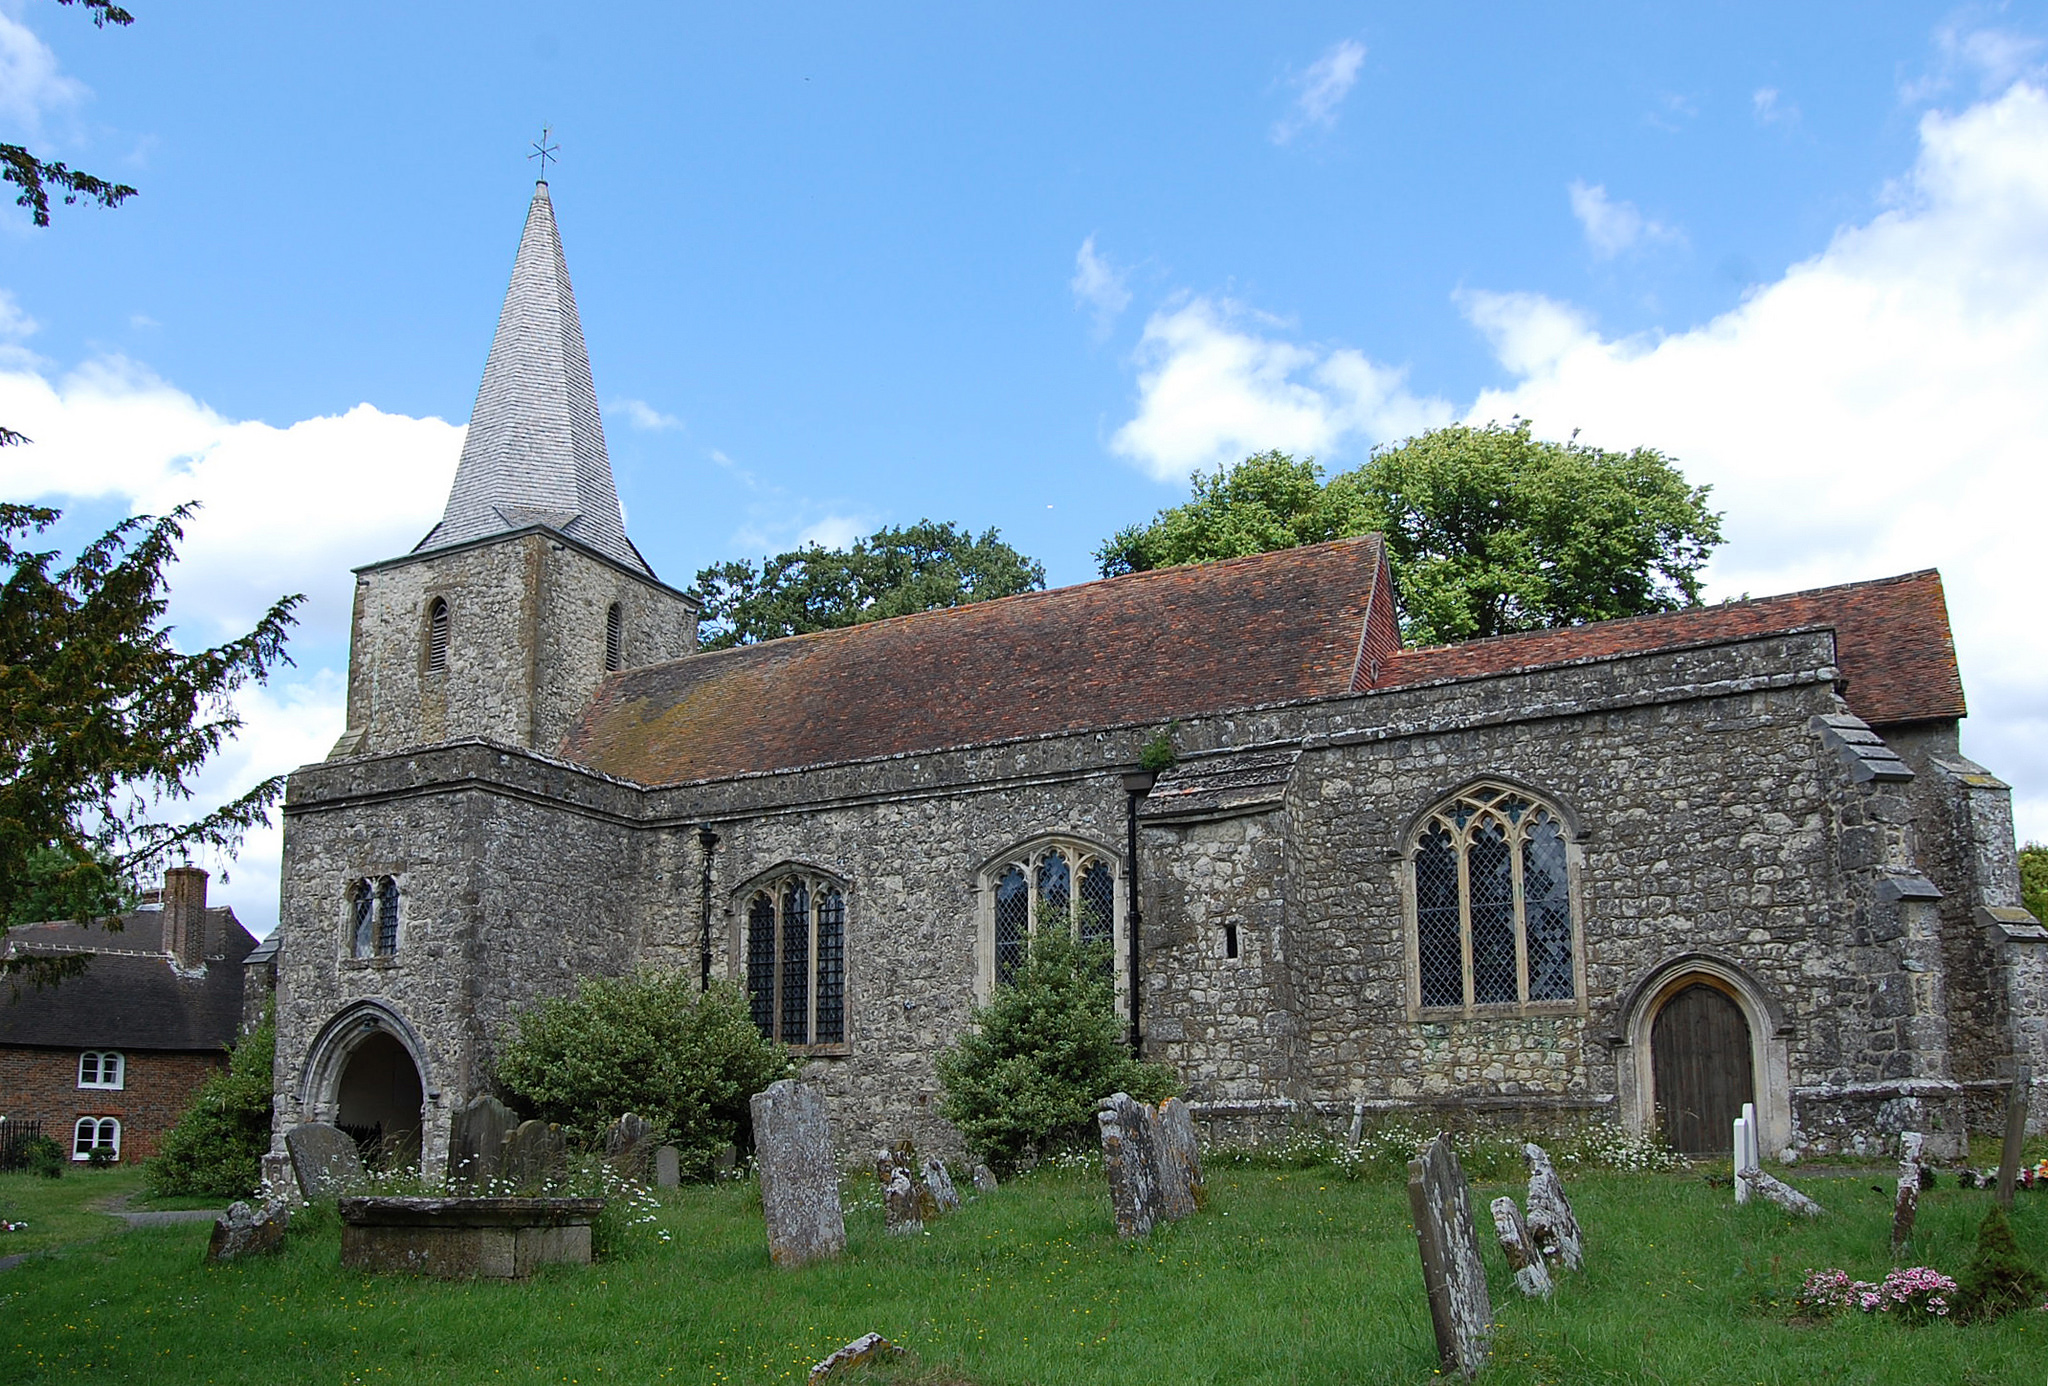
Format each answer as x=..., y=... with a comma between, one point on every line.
x=129, y=996
x=1291, y=625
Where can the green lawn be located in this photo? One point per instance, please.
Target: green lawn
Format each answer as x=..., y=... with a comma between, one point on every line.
x=1291, y=1276
x=64, y=1212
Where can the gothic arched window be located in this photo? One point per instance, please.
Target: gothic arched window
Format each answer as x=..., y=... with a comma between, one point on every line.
x=614, y=638
x=373, y=917
x=1494, y=925
x=796, y=959
x=437, y=636
x=1061, y=880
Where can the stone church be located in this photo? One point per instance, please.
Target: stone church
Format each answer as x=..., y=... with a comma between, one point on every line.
x=1641, y=871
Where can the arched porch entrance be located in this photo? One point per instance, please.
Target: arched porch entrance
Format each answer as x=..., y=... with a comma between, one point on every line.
x=366, y=1073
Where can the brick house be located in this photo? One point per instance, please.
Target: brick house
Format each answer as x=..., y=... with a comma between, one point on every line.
x=110, y=1059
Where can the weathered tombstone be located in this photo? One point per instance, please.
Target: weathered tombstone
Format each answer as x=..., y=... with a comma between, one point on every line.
x=868, y=1348
x=984, y=1179
x=278, y=1184
x=668, y=1166
x=1532, y=1277
x=1459, y=1308
x=476, y=1140
x=907, y=1203
x=1180, y=1146
x=939, y=1180
x=2015, y=1132
x=1170, y=1172
x=536, y=1154
x=244, y=1231
x=325, y=1160
x=1783, y=1195
x=628, y=1146
x=799, y=1175
x=1551, y=1222
x=1131, y=1161
x=1906, y=1202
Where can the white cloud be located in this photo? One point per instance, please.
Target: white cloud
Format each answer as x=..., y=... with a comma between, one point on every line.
x=1878, y=409
x=31, y=85
x=837, y=531
x=15, y=323
x=1214, y=387
x=1098, y=285
x=1993, y=58
x=1611, y=226
x=1765, y=104
x=1321, y=90
x=644, y=416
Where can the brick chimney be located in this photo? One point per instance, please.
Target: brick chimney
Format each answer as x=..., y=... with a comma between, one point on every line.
x=185, y=915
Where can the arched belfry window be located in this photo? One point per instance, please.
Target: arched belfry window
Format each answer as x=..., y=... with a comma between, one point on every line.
x=796, y=959
x=437, y=636
x=1049, y=882
x=614, y=638
x=373, y=917
x=1494, y=921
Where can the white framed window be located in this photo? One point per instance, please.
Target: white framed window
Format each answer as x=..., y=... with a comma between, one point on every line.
x=96, y=1134
x=1050, y=881
x=102, y=1068
x=796, y=959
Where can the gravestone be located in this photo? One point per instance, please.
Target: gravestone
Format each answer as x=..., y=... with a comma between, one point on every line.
x=984, y=1180
x=1906, y=1202
x=1532, y=1277
x=939, y=1180
x=1551, y=1222
x=2015, y=1132
x=536, y=1154
x=1746, y=1156
x=1182, y=1149
x=668, y=1167
x=628, y=1146
x=1777, y=1191
x=278, y=1184
x=863, y=1351
x=245, y=1231
x=799, y=1174
x=1459, y=1310
x=1130, y=1158
x=476, y=1141
x=325, y=1160
x=907, y=1203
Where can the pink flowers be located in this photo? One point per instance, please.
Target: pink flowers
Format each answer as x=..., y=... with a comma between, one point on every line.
x=1915, y=1292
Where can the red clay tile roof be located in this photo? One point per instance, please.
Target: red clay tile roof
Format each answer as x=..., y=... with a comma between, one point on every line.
x=1892, y=644
x=1149, y=647
x=1295, y=624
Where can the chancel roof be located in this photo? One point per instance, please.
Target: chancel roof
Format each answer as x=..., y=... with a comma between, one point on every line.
x=129, y=996
x=535, y=452
x=1291, y=625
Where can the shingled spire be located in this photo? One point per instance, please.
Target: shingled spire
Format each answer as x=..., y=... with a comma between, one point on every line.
x=535, y=451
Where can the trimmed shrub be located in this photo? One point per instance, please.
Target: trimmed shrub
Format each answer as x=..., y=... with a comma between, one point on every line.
x=652, y=1044
x=216, y=1149
x=1998, y=1280
x=1025, y=1082
x=43, y=1156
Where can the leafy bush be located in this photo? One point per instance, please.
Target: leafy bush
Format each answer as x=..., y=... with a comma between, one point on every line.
x=1044, y=1052
x=1998, y=1279
x=2034, y=879
x=43, y=1156
x=216, y=1149
x=652, y=1044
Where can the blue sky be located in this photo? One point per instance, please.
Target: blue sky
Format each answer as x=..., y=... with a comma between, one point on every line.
x=1025, y=268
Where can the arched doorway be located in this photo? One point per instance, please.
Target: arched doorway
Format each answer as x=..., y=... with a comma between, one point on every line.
x=1702, y=1067
x=379, y=1100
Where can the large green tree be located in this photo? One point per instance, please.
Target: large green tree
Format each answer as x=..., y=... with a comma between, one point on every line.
x=104, y=722
x=1489, y=530
x=893, y=572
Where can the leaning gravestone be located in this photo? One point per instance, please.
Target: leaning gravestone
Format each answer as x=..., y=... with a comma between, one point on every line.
x=278, y=1184
x=476, y=1140
x=536, y=1154
x=1130, y=1158
x=799, y=1175
x=984, y=1180
x=939, y=1180
x=668, y=1167
x=1459, y=1309
x=1532, y=1277
x=325, y=1160
x=907, y=1202
x=2015, y=1132
x=243, y=1231
x=628, y=1146
x=1906, y=1202
x=1181, y=1151
x=1551, y=1222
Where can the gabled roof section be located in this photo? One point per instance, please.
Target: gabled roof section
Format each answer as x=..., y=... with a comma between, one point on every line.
x=1892, y=644
x=535, y=452
x=129, y=996
x=1146, y=648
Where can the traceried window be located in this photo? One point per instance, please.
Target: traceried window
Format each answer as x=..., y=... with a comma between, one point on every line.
x=796, y=959
x=614, y=638
x=437, y=636
x=96, y=1135
x=1064, y=881
x=373, y=917
x=1494, y=924
x=102, y=1068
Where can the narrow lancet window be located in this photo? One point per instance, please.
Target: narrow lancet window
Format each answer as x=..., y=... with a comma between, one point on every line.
x=761, y=962
x=614, y=638
x=437, y=636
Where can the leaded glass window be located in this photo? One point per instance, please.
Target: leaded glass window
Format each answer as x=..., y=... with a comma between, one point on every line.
x=1013, y=923
x=796, y=960
x=387, y=916
x=1064, y=881
x=1493, y=907
x=373, y=917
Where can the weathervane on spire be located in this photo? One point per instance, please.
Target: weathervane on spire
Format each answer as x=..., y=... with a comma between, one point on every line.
x=544, y=151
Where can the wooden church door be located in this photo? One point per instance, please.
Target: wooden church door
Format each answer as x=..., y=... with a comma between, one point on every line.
x=1700, y=1063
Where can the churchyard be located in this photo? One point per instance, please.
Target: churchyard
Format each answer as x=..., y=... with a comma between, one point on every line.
x=1292, y=1272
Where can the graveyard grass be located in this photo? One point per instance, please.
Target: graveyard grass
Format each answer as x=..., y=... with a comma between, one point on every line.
x=1291, y=1275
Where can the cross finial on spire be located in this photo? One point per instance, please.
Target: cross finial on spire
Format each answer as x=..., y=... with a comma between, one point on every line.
x=544, y=151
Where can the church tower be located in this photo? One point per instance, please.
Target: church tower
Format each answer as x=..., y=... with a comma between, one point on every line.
x=502, y=621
